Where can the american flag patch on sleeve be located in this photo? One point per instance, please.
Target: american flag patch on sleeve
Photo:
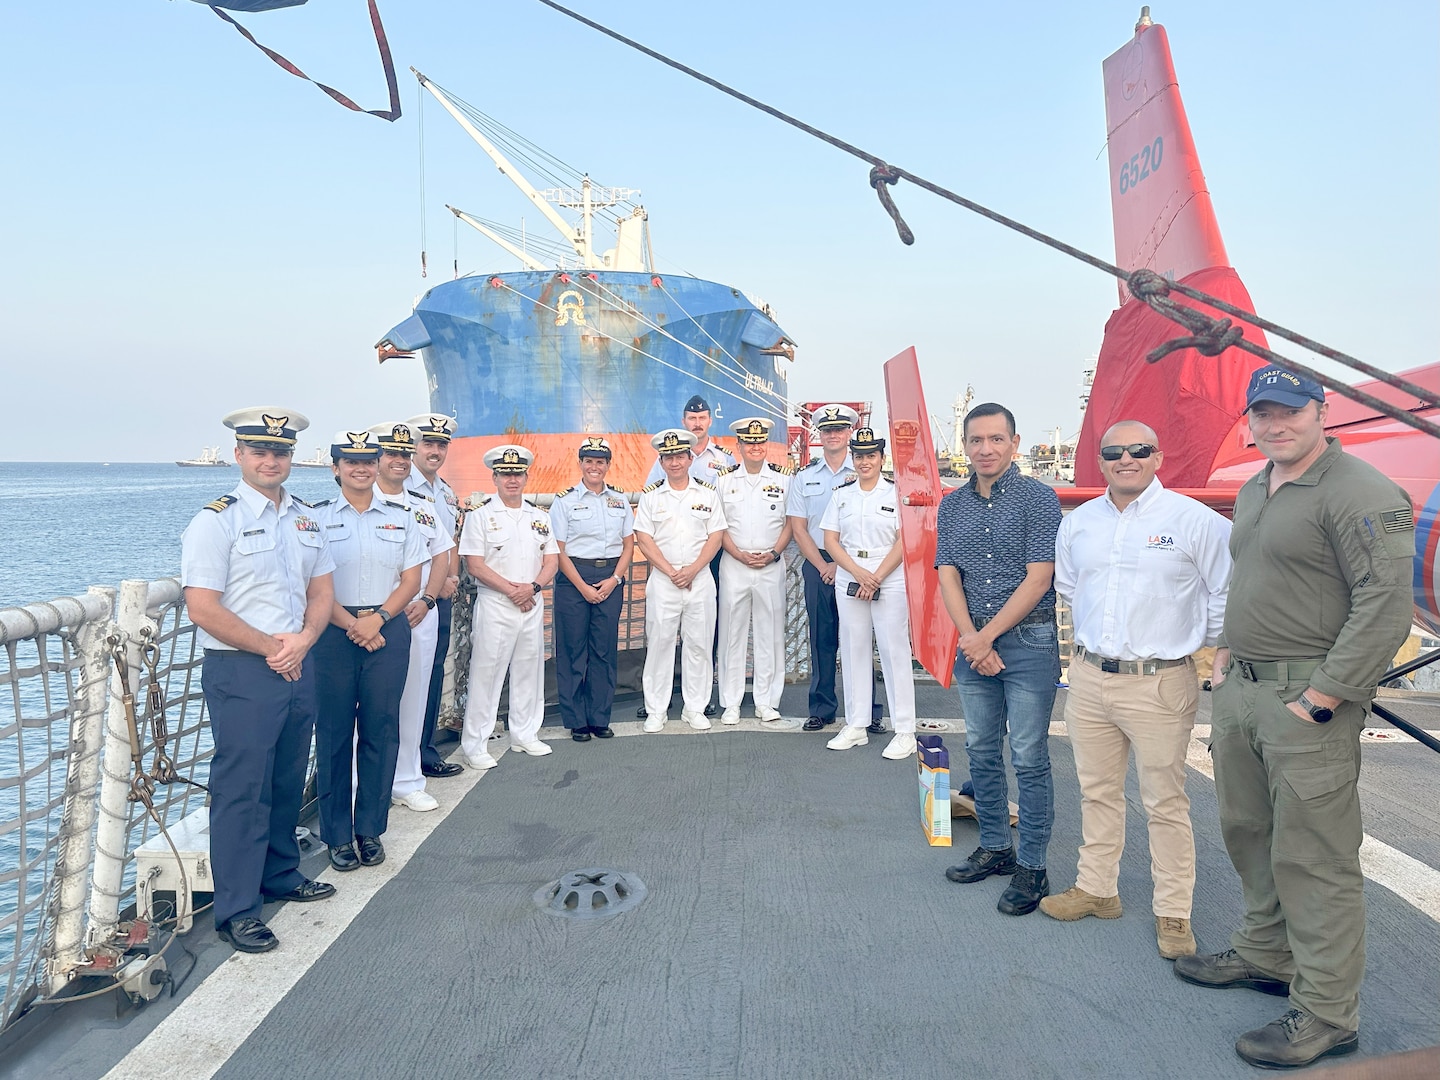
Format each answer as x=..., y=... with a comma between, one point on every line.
x=1398, y=520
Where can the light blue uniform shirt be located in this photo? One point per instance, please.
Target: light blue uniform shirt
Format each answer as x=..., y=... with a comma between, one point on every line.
x=591, y=526
x=260, y=559
x=370, y=550
x=810, y=491
x=442, y=501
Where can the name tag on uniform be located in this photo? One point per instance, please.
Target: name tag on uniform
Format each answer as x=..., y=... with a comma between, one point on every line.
x=579, y=512
x=888, y=509
x=253, y=532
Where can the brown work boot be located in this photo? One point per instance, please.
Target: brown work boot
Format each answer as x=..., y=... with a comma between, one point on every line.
x=1223, y=970
x=1174, y=937
x=1296, y=1039
x=1075, y=903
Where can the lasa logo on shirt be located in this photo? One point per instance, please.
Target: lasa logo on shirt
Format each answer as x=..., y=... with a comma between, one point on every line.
x=1161, y=543
x=307, y=524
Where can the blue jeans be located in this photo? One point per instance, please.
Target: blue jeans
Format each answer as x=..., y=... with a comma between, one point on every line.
x=1019, y=699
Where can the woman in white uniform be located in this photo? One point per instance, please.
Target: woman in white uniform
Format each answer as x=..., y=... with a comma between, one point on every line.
x=862, y=533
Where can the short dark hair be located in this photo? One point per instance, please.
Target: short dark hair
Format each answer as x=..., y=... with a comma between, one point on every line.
x=989, y=408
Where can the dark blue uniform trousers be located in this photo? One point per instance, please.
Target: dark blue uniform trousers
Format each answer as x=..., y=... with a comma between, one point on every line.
x=428, y=754
x=586, y=644
x=824, y=620
x=359, y=694
x=261, y=726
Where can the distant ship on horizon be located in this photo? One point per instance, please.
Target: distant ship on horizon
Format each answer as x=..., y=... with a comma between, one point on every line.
x=209, y=459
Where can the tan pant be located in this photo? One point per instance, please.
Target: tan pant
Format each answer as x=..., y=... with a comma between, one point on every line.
x=1106, y=715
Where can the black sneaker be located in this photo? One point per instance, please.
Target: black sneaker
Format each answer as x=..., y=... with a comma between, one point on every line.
x=1023, y=895
x=982, y=863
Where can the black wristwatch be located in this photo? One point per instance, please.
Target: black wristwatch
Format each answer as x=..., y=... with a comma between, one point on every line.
x=428, y=600
x=535, y=585
x=777, y=555
x=1318, y=713
x=385, y=616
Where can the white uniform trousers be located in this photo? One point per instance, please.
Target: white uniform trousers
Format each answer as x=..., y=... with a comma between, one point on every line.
x=505, y=638
x=747, y=593
x=423, y=638
x=691, y=613
x=887, y=617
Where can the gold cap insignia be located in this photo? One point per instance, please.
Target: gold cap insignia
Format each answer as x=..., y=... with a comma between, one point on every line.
x=359, y=440
x=274, y=425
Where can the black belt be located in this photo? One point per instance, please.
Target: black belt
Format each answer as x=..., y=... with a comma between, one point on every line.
x=360, y=612
x=1034, y=618
x=1274, y=670
x=1112, y=666
x=600, y=564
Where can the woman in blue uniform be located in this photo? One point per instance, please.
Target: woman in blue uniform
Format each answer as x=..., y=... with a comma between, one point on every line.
x=363, y=655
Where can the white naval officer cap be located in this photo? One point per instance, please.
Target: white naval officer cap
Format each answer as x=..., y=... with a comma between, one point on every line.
x=752, y=429
x=359, y=445
x=508, y=458
x=270, y=426
x=595, y=446
x=673, y=441
x=397, y=438
x=834, y=416
x=433, y=426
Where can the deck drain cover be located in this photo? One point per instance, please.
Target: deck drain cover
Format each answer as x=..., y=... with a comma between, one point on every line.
x=591, y=894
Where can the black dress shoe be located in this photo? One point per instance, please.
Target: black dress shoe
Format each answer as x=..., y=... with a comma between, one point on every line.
x=641, y=713
x=876, y=727
x=247, y=935
x=1023, y=895
x=602, y=733
x=581, y=734
x=710, y=709
x=372, y=852
x=306, y=892
x=445, y=768
x=343, y=857
x=982, y=863
x=816, y=723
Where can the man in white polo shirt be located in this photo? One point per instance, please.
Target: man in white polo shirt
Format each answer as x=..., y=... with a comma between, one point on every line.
x=1145, y=571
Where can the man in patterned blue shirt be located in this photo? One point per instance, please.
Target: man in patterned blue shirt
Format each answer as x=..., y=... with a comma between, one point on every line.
x=995, y=554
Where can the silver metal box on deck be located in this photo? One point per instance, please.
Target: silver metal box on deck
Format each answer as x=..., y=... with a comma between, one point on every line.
x=157, y=870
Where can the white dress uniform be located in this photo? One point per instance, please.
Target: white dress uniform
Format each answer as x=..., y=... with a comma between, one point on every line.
x=869, y=525
x=704, y=466
x=514, y=544
x=438, y=540
x=681, y=521
x=754, y=507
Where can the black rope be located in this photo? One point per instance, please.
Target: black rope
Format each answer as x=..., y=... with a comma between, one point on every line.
x=1206, y=333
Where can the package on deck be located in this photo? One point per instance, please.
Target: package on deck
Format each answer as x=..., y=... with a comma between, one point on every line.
x=934, y=789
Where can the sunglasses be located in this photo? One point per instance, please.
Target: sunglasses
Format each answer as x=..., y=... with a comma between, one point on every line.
x=1137, y=450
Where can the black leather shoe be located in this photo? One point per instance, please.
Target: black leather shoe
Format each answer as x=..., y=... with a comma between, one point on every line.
x=1222, y=970
x=343, y=857
x=1026, y=889
x=710, y=709
x=581, y=734
x=445, y=768
x=602, y=733
x=641, y=713
x=1296, y=1039
x=306, y=892
x=372, y=852
x=247, y=935
x=816, y=723
x=981, y=864
x=876, y=727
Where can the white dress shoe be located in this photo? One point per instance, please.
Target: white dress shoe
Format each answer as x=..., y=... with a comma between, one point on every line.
x=419, y=801
x=654, y=722
x=901, y=747
x=698, y=721
x=730, y=716
x=480, y=762
x=534, y=749
x=848, y=737
x=765, y=714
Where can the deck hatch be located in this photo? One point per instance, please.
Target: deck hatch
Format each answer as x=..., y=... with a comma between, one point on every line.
x=592, y=893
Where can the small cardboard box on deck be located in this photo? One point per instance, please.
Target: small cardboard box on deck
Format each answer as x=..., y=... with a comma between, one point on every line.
x=934, y=762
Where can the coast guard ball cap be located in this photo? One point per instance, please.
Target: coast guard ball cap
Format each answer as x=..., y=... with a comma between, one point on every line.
x=1282, y=387
x=865, y=442
x=672, y=441
x=753, y=429
x=697, y=404
x=832, y=417
x=433, y=426
x=271, y=426
x=595, y=446
x=508, y=458
x=359, y=445
x=397, y=438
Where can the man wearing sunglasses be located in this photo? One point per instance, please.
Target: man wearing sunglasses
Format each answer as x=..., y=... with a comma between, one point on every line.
x=1145, y=572
x=1320, y=601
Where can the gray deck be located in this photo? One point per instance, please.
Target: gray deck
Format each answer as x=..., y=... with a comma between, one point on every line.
x=797, y=925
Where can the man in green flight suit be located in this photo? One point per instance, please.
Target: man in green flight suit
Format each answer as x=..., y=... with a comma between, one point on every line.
x=1320, y=602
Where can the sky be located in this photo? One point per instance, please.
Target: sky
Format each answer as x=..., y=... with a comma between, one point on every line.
x=187, y=229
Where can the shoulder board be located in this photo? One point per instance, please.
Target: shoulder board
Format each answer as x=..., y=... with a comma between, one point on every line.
x=567, y=491
x=726, y=470
x=811, y=465
x=397, y=506
x=486, y=501
x=420, y=495
x=722, y=450
x=783, y=470
x=703, y=484
x=224, y=502
x=847, y=481
x=315, y=505
x=613, y=488
x=654, y=486
x=888, y=479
